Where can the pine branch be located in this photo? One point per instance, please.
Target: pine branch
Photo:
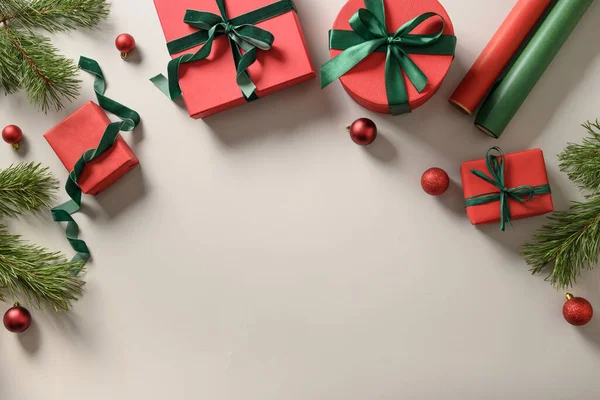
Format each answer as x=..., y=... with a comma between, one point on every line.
x=42, y=277
x=56, y=15
x=582, y=161
x=48, y=77
x=568, y=244
x=29, y=60
x=25, y=187
x=10, y=79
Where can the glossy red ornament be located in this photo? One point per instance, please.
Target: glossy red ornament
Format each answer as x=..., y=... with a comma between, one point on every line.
x=363, y=131
x=125, y=43
x=577, y=310
x=12, y=134
x=435, y=181
x=17, y=319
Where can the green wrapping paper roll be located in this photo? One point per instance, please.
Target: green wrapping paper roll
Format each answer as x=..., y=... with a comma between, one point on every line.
x=504, y=101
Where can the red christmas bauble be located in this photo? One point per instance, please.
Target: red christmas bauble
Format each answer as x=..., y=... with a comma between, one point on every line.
x=12, y=134
x=125, y=43
x=577, y=310
x=17, y=319
x=363, y=131
x=435, y=181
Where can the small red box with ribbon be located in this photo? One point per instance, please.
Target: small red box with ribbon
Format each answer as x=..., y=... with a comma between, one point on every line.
x=506, y=187
x=391, y=56
x=228, y=52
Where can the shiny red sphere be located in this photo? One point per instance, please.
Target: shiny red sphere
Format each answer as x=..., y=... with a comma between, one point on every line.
x=17, y=319
x=578, y=311
x=435, y=181
x=363, y=131
x=125, y=43
x=12, y=134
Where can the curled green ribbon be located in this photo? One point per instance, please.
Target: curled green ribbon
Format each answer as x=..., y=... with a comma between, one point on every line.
x=370, y=35
x=522, y=194
x=130, y=119
x=245, y=39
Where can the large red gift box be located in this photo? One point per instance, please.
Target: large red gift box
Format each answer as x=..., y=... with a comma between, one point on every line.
x=209, y=86
x=526, y=168
x=82, y=131
x=365, y=83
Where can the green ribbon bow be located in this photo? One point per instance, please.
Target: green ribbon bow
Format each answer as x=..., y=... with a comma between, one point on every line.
x=245, y=39
x=130, y=119
x=370, y=35
x=522, y=194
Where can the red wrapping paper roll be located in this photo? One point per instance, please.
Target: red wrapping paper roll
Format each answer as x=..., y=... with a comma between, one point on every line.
x=365, y=83
x=497, y=54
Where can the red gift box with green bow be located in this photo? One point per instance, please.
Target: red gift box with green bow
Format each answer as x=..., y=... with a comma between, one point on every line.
x=507, y=187
x=229, y=52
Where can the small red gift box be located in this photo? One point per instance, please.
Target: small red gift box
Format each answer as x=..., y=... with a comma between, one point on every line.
x=365, y=83
x=82, y=131
x=209, y=86
x=522, y=169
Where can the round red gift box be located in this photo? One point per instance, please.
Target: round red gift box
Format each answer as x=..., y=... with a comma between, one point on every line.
x=365, y=83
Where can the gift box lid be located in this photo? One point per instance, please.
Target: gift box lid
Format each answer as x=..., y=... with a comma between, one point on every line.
x=82, y=131
x=209, y=86
x=526, y=168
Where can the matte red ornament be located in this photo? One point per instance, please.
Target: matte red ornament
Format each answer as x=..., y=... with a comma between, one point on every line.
x=435, y=181
x=125, y=43
x=12, y=134
x=577, y=310
x=363, y=131
x=17, y=319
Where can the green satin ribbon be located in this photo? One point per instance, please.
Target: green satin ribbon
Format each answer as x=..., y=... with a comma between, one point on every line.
x=522, y=194
x=245, y=39
x=130, y=119
x=370, y=35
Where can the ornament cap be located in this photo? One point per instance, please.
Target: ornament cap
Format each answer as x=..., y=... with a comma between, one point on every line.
x=16, y=146
x=569, y=296
x=124, y=55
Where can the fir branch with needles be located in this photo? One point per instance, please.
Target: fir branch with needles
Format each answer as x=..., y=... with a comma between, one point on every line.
x=582, y=161
x=36, y=276
x=567, y=245
x=570, y=242
x=25, y=187
x=30, y=273
x=29, y=61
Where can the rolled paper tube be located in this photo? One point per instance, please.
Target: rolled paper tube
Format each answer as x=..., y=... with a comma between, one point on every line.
x=504, y=101
x=497, y=54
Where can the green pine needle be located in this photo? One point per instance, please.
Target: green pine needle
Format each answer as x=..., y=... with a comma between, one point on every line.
x=10, y=78
x=567, y=245
x=40, y=277
x=570, y=242
x=582, y=161
x=29, y=61
x=48, y=77
x=25, y=187
x=58, y=15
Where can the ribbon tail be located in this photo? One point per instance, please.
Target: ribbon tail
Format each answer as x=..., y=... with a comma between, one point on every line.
x=333, y=69
x=394, y=85
x=412, y=71
x=242, y=63
x=162, y=83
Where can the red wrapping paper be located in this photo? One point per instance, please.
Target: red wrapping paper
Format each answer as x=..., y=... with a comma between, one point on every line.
x=365, y=83
x=209, y=86
x=497, y=54
x=523, y=168
x=82, y=131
